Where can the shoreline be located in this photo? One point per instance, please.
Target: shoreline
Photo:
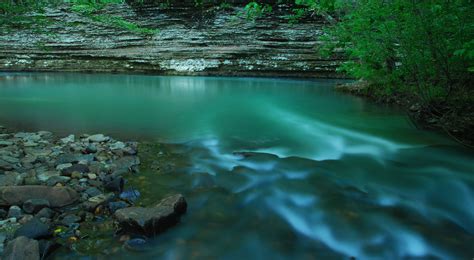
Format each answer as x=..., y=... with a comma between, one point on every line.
x=52, y=189
x=457, y=127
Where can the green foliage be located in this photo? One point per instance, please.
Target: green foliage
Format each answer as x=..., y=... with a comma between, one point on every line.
x=92, y=8
x=119, y=22
x=12, y=7
x=254, y=10
x=425, y=44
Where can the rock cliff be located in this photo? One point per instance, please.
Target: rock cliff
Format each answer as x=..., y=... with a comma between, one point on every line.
x=190, y=41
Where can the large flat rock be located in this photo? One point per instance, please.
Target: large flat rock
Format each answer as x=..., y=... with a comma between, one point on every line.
x=56, y=196
x=153, y=220
x=22, y=248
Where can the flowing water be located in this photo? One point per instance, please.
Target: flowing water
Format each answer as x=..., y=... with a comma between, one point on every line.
x=271, y=168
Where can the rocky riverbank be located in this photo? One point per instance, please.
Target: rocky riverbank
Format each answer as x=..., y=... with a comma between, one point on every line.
x=51, y=187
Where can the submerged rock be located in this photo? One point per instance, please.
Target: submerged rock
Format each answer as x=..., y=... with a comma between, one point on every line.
x=154, y=220
x=22, y=248
x=114, y=184
x=130, y=195
x=5, y=143
x=46, y=247
x=57, y=196
x=136, y=245
x=114, y=206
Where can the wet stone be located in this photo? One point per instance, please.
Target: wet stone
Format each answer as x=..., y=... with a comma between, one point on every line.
x=45, y=213
x=45, y=176
x=14, y=212
x=68, y=139
x=5, y=143
x=63, y=166
x=57, y=196
x=153, y=220
x=35, y=205
x=10, y=159
x=81, y=168
x=5, y=165
x=136, y=245
x=57, y=179
x=66, y=159
x=117, y=146
x=22, y=248
x=33, y=229
x=25, y=219
x=114, y=206
x=98, y=138
x=70, y=219
x=76, y=175
x=91, y=149
x=9, y=178
x=93, y=191
x=92, y=203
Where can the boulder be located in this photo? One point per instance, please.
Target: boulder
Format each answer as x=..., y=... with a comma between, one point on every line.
x=22, y=248
x=153, y=220
x=57, y=196
x=33, y=229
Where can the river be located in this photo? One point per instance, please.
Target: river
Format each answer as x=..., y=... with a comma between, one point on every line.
x=271, y=168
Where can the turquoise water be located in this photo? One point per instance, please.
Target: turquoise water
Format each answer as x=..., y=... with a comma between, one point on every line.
x=274, y=168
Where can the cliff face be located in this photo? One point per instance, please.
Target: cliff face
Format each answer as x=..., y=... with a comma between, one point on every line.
x=190, y=41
